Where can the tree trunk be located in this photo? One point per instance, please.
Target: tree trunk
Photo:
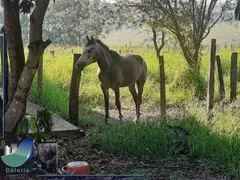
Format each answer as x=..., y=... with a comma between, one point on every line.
x=36, y=49
x=15, y=44
x=192, y=59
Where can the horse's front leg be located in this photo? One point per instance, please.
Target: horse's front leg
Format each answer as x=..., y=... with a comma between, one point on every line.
x=106, y=101
x=117, y=102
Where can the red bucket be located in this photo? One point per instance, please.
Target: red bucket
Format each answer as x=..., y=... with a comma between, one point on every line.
x=76, y=168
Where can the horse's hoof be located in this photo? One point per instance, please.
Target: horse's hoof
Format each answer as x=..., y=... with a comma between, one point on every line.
x=135, y=120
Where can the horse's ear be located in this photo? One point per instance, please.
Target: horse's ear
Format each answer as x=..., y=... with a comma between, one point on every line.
x=92, y=39
x=87, y=38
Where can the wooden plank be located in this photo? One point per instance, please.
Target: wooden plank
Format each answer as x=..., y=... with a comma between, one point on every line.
x=61, y=127
x=221, y=88
x=162, y=87
x=74, y=92
x=233, y=77
x=210, y=90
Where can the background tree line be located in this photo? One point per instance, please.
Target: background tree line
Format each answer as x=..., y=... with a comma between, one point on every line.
x=67, y=22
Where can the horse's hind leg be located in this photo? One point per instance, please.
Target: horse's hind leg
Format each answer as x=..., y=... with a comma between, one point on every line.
x=117, y=102
x=140, y=92
x=106, y=101
x=135, y=96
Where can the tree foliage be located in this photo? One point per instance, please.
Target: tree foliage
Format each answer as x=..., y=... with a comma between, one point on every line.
x=67, y=22
x=190, y=21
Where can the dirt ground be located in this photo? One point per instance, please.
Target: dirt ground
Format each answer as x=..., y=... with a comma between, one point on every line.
x=102, y=162
x=129, y=113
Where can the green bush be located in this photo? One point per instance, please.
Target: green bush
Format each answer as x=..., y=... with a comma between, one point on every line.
x=190, y=80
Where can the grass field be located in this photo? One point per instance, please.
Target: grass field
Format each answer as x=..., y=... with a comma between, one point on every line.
x=218, y=142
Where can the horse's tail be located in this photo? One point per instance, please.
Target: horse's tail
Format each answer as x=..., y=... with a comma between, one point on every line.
x=144, y=69
x=144, y=65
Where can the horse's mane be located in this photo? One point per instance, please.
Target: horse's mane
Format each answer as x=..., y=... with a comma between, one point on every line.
x=113, y=53
x=101, y=43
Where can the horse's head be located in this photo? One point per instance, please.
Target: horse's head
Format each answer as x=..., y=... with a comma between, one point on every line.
x=89, y=54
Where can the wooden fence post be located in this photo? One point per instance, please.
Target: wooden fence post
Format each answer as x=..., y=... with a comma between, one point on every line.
x=220, y=79
x=233, y=77
x=210, y=90
x=74, y=92
x=40, y=77
x=162, y=86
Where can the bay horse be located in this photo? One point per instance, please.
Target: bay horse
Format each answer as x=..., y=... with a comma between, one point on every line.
x=115, y=71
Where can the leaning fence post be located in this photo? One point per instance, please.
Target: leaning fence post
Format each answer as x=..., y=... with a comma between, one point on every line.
x=233, y=77
x=162, y=86
x=220, y=79
x=74, y=92
x=210, y=90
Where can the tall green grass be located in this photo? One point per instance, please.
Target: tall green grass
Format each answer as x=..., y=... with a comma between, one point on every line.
x=53, y=98
x=162, y=139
